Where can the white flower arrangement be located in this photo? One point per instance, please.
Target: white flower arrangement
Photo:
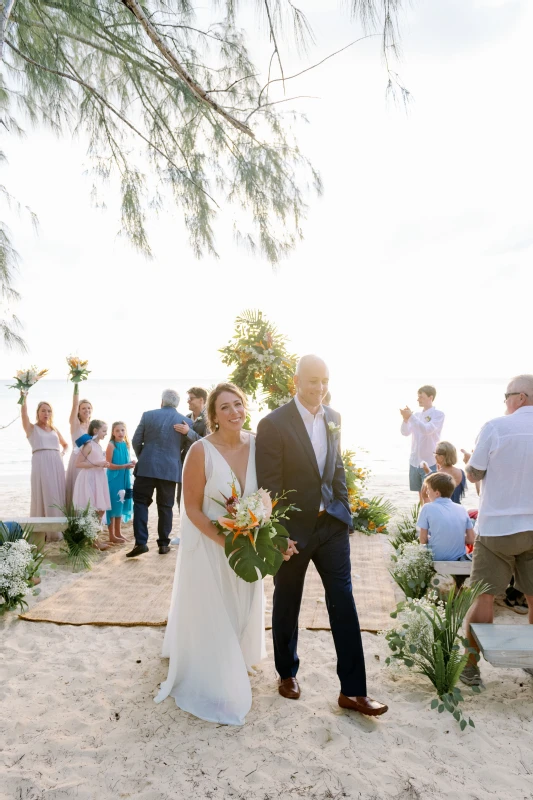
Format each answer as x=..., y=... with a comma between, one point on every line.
x=334, y=428
x=90, y=525
x=413, y=569
x=15, y=563
x=260, y=506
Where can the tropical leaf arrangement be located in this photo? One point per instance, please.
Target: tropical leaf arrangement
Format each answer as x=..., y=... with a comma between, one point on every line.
x=369, y=514
x=20, y=563
x=80, y=535
x=255, y=537
x=406, y=531
x=428, y=640
x=77, y=369
x=262, y=366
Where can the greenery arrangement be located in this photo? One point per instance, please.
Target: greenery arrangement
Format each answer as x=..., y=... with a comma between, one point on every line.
x=80, y=535
x=20, y=563
x=412, y=569
x=262, y=366
x=406, y=531
x=369, y=515
x=428, y=641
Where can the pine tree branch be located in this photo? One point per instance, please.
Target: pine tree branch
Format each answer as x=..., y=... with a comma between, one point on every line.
x=5, y=14
x=74, y=77
x=135, y=8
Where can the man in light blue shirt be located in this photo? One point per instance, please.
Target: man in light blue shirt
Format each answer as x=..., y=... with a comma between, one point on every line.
x=444, y=525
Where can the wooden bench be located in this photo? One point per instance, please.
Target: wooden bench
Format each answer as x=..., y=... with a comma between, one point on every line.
x=459, y=570
x=505, y=645
x=41, y=526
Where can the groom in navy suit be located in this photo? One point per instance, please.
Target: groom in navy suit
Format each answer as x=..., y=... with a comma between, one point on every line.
x=298, y=447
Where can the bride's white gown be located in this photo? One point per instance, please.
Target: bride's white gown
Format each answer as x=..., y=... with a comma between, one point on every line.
x=215, y=628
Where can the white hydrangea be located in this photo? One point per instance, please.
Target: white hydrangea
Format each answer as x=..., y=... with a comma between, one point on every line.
x=254, y=503
x=414, y=562
x=15, y=558
x=419, y=630
x=90, y=525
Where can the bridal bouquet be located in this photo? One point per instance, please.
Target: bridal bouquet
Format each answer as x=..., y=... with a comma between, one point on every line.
x=255, y=538
x=25, y=379
x=78, y=369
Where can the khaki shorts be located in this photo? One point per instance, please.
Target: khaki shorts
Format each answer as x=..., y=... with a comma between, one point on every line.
x=496, y=558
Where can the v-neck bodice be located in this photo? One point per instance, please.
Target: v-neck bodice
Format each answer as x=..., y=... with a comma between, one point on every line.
x=219, y=477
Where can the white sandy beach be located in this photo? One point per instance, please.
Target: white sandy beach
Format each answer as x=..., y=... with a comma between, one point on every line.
x=79, y=721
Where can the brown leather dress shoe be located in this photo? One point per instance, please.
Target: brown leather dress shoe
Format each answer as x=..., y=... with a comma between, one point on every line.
x=288, y=687
x=365, y=705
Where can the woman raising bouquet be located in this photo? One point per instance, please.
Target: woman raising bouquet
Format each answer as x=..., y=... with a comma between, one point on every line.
x=47, y=470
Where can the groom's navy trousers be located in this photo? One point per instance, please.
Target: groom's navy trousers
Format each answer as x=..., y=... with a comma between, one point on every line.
x=329, y=549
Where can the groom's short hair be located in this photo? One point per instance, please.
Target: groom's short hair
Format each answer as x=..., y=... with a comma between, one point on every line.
x=170, y=398
x=198, y=392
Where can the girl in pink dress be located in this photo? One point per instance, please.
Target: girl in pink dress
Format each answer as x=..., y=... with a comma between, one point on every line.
x=47, y=470
x=91, y=484
x=80, y=417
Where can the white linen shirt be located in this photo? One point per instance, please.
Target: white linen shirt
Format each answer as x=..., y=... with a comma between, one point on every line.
x=504, y=448
x=425, y=427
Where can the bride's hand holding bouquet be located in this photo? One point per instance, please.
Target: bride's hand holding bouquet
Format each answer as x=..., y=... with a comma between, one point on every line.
x=256, y=542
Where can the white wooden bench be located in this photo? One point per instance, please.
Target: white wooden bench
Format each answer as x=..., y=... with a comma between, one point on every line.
x=453, y=567
x=505, y=645
x=41, y=526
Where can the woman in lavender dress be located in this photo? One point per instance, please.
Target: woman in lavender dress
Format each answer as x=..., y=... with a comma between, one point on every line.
x=47, y=470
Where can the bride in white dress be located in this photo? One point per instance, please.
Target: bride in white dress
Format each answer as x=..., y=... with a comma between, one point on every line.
x=215, y=631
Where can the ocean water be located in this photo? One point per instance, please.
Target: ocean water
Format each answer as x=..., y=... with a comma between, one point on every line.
x=370, y=413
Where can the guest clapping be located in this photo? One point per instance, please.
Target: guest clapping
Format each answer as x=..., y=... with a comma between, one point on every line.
x=119, y=481
x=91, y=484
x=47, y=470
x=425, y=427
x=80, y=417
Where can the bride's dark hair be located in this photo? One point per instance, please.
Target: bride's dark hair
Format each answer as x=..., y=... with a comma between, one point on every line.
x=212, y=399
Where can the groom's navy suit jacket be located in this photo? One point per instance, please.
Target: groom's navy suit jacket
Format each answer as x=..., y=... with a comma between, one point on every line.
x=285, y=460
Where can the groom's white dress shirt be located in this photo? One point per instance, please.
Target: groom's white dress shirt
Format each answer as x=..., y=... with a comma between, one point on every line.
x=316, y=428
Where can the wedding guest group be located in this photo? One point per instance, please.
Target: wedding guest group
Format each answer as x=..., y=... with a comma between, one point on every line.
x=503, y=461
x=425, y=428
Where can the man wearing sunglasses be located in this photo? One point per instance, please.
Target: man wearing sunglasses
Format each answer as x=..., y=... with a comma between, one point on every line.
x=503, y=461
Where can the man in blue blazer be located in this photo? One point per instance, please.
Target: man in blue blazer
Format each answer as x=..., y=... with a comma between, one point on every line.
x=298, y=448
x=158, y=449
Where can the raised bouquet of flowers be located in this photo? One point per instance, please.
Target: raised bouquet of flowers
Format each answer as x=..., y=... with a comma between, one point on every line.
x=255, y=538
x=25, y=379
x=80, y=535
x=78, y=369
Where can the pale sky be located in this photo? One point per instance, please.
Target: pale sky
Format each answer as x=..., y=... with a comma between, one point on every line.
x=418, y=255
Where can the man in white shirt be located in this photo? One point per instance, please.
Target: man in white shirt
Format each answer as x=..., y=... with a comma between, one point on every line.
x=425, y=427
x=503, y=461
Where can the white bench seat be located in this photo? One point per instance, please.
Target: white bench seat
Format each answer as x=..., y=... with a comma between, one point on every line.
x=505, y=645
x=41, y=526
x=453, y=567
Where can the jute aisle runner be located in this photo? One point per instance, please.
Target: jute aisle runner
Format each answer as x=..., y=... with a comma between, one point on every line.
x=122, y=591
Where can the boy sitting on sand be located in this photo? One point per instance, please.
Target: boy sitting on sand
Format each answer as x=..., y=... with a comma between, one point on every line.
x=444, y=526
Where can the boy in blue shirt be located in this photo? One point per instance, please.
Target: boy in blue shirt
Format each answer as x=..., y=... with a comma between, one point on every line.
x=444, y=526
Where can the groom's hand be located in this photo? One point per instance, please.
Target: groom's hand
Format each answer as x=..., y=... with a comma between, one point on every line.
x=290, y=551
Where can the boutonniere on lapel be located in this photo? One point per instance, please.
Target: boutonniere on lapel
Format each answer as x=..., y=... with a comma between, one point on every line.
x=428, y=418
x=333, y=428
